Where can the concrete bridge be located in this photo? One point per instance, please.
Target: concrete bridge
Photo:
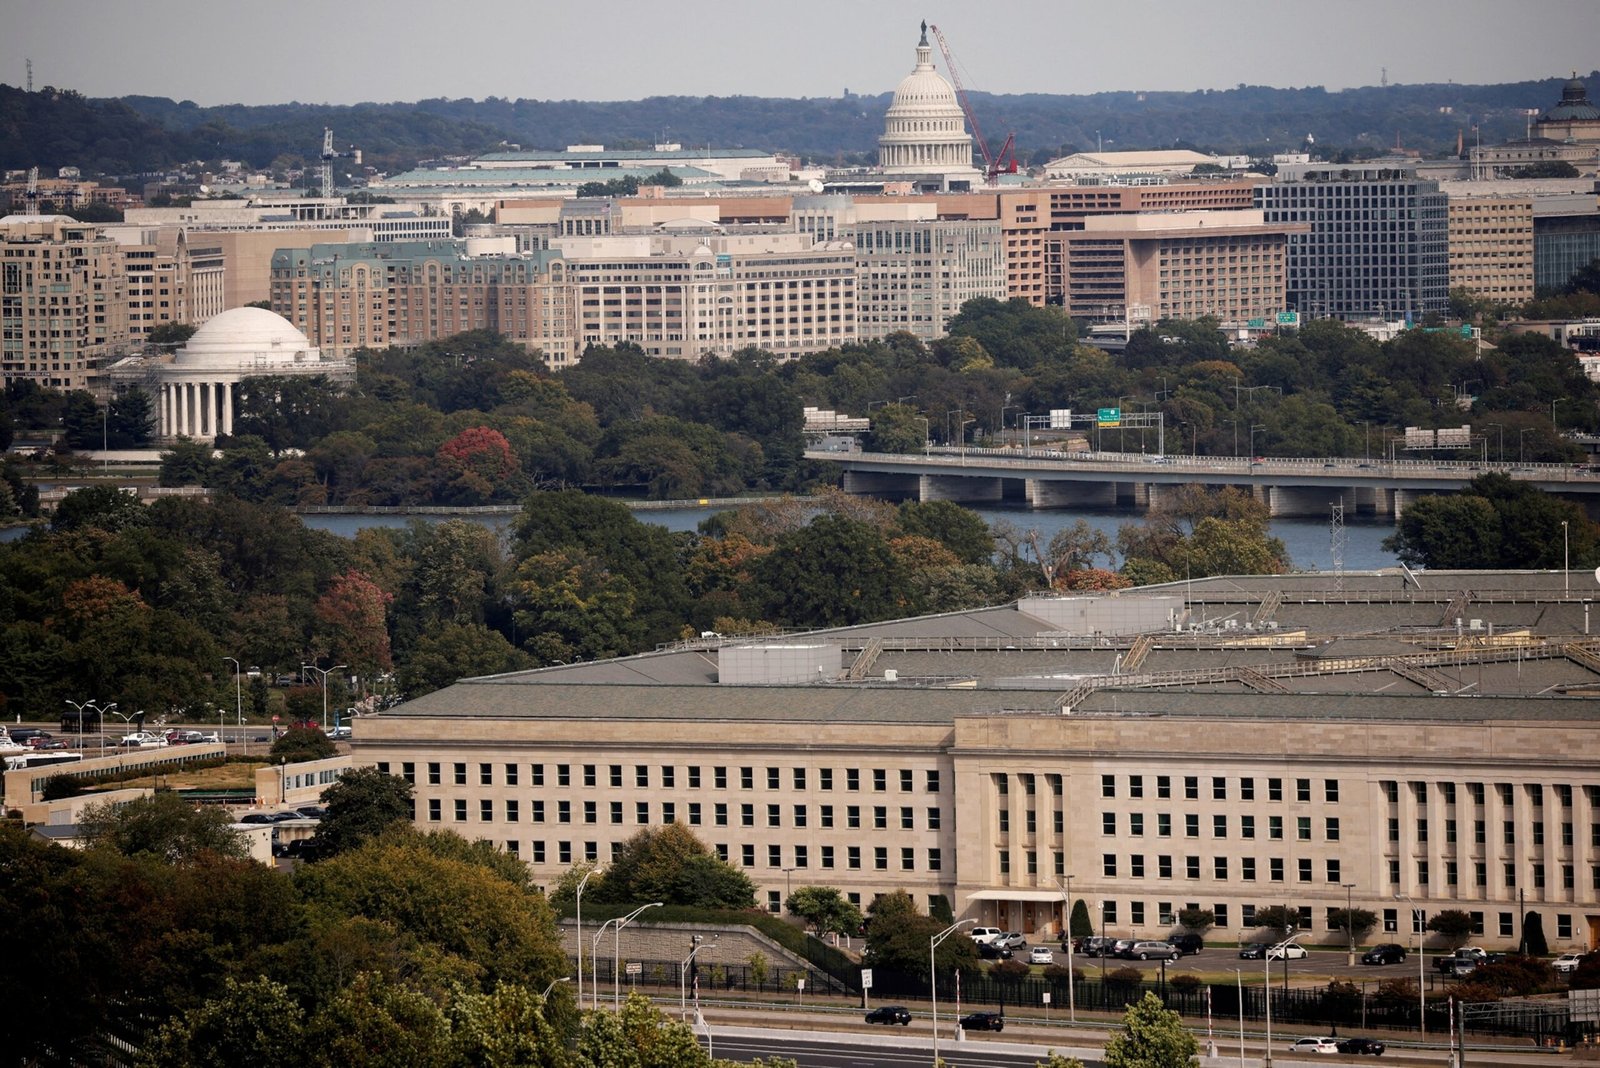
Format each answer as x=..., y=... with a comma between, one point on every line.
x=1042, y=478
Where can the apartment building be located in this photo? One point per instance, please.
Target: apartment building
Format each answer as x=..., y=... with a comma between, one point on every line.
x=1378, y=243
x=993, y=758
x=63, y=300
x=1491, y=247
x=169, y=278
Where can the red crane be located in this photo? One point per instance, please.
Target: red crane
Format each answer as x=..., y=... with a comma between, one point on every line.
x=1003, y=163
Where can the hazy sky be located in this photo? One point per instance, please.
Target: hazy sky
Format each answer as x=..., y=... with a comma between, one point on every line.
x=345, y=51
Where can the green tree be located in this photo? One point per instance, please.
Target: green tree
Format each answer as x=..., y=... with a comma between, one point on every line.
x=300, y=744
x=897, y=428
x=1358, y=921
x=1454, y=531
x=1058, y=1060
x=672, y=865
x=361, y=805
x=1454, y=925
x=105, y=507
x=834, y=572
x=898, y=935
x=454, y=651
x=640, y=1036
x=508, y=1027
x=1198, y=920
x=1081, y=925
x=961, y=530
x=1151, y=1037
x=130, y=421
x=374, y=1023
x=170, y=335
x=162, y=825
x=231, y=1029
x=187, y=463
x=1279, y=919
x=826, y=909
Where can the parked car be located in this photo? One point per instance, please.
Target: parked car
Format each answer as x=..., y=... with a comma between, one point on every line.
x=984, y=935
x=890, y=1014
x=142, y=740
x=1041, y=955
x=1314, y=1045
x=1292, y=951
x=990, y=951
x=1456, y=966
x=258, y=817
x=1188, y=944
x=1254, y=951
x=340, y=733
x=1153, y=951
x=1120, y=947
x=1567, y=962
x=1011, y=940
x=51, y=743
x=311, y=812
x=37, y=741
x=1094, y=946
x=983, y=1021
x=1362, y=1045
x=1387, y=953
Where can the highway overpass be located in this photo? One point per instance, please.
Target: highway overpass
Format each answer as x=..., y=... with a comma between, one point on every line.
x=1047, y=478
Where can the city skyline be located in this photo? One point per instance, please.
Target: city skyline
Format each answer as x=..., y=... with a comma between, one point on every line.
x=366, y=52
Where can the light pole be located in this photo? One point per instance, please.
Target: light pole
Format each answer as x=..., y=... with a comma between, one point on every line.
x=238, y=703
x=581, y=884
x=1522, y=444
x=786, y=873
x=1266, y=983
x=98, y=715
x=933, y=979
x=1566, y=563
x=616, y=951
x=1501, y=427
x=1422, y=969
x=1066, y=940
x=324, y=672
x=683, y=976
x=1253, y=428
x=1349, y=924
x=558, y=979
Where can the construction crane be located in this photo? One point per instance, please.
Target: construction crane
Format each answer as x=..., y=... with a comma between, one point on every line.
x=329, y=155
x=993, y=165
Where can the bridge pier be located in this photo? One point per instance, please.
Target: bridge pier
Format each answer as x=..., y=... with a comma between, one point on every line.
x=888, y=486
x=1311, y=501
x=1051, y=493
x=1371, y=500
x=960, y=488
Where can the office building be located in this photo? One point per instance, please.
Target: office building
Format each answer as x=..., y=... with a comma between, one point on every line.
x=1491, y=246
x=63, y=301
x=1223, y=744
x=1378, y=243
x=169, y=278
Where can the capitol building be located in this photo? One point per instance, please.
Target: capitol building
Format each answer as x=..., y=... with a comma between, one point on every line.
x=925, y=131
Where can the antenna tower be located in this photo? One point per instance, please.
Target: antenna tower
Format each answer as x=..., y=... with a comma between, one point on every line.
x=1337, y=539
x=30, y=75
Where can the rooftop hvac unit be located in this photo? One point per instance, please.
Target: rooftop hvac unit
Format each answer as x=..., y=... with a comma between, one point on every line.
x=1475, y=624
x=891, y=675
x=1272, y=625
x=1230, y=624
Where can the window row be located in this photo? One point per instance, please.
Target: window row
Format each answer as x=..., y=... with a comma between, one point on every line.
x=667, y=776
x=1536, y=832
x=851, y=858
x=853, y=817
x=1538, y=874
x=1112, y=866
x=1218, y=786
x=1111, y=824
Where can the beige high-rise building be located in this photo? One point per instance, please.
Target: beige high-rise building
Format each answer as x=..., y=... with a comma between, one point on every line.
x=170, y=279
x=63, y=301
x=1490, y=246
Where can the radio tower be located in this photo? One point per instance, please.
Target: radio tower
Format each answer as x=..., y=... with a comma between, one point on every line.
x=30, y=75
x=1336, y=544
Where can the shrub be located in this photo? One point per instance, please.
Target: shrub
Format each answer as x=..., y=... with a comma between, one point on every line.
x=1186, y=983
x=1009, y=971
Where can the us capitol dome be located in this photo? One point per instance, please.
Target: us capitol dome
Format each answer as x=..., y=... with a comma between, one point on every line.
x=925, y=131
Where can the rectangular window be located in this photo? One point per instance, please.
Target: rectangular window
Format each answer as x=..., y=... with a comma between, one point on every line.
x=485, y=774
x=825, y=778
x=747, y=815
x=669, y=777
x=1136, y=866
x=1191, y=867
x=1302, y=790
x=1247, y=826
x=799, y=778
x=1219, y=826
x=1108, y=865
x=880, y=817
x=1108, y=823
x=1274, y=789
x=1330, y=791
x=1191, y=825
x=880, y=780
x=719, y=813
x=1247, y=869
x=1163, y=785
x=1164, y=866
x=564, y=811
x=719, y=778
x=433, y=774
x=773, y=782
x=564, y=778
x=908, y=818
x=1275, y=828
x=1136, y=913
x=880, y=858
x=774, y=816
x=485, y=810
x=433, y=809
x=1136, y=824
x=538, y=852
x=1164, y=824
x=694, y=813
x=669, y=812
x=747, y=855
x=1108, y=911
x=906, y=776
x=513, y=810
x=1304, y=866
x=461, y=810
x=460, y=770
x=1191, y=787
x=799, y=815
x=588, y=775
x=1135, y=785
x=1275, y=869
x=1219, y=788
x=694, y=776
x=1219, y=868
x=1108, y=786
x=747, y=778
x=935, y=860
x=564, y=851
x=853, y=857
x=537, y=809
x=1302, y=825
x=774, y=856
x=616, y=775
x=852, y=778
x=590, y=815
x=852, y=817
x=933, y=819
x=1247, y=789
x=641, y=812
x=908, y=858
x=827, y=856
x=933, y=781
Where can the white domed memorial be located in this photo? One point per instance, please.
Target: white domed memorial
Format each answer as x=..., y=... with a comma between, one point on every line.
x=925, y=130
x=195, y=388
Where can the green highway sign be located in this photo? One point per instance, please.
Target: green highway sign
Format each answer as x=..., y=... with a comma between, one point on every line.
x=1256, y=324
x=1109, y=417
x=1288, y=318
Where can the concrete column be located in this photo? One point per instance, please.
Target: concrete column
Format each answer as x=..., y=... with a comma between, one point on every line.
x=227, y=408
x=182, y=399
x=162, y=399
x=1061, y=493
x=959, y=488
x=880, y=484
x=1399, y=501
x=205, y=410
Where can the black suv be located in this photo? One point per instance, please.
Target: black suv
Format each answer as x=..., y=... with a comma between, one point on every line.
x=1188, y=944
x=890, y=1014
x=1388, y=953
x=983, y=1021
x=990, y=951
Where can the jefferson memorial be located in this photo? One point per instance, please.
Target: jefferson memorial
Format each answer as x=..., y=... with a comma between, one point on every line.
x=194, y=389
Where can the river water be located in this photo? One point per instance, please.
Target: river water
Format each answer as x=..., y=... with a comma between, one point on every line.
x=1308, y=540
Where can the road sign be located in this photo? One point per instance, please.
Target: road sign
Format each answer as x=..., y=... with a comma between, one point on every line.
x=1109, y=417
x=866, y=978
x=1060, y=418
x=1256, y=324
x=633, y=967
x=1288, y=318
x=1046, y=996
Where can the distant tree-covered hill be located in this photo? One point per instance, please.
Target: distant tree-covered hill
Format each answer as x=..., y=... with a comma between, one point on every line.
x=54, y=128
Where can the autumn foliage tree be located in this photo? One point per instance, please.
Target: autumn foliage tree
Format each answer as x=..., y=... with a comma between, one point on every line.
x=476, y=466
x=352, y=622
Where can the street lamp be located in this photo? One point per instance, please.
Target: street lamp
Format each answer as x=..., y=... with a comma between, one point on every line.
x=1253, y=428
x=683, y=975
x=933, y=979
x=1066, y=940
x=1422, y=970
x=1522, y=444
x=558, y=979
x=238, y=703
x=790, y=871
x=581, y=884
x=1501, y=427
x=1266, y=984
x=1349, y=925
x=325, y=672
x=616, y=950
x=98, y=715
